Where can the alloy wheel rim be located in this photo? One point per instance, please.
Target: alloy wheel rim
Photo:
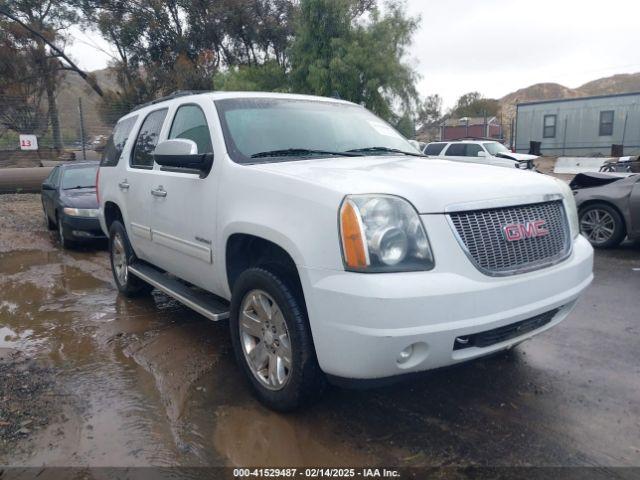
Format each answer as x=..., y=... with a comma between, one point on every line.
x=265, y=340
x=119, y=258
x=597, y=225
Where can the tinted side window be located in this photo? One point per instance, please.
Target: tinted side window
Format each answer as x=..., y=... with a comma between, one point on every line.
x=456, y=149
x=434, y=148
x=190, y=123
x=472, y=150
x=147, y=140
x=116, y=142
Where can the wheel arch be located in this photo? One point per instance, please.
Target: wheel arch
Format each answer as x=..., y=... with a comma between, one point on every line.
x=112, y=213
x=243, y=250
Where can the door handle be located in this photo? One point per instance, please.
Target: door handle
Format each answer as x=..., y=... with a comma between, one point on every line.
x=124, y=185
x=159, y=192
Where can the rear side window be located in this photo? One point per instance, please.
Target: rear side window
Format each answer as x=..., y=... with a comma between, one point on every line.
x=456, y=150
x=142, y=156
x=434, y=148
x=116, y=142
x=190, y=123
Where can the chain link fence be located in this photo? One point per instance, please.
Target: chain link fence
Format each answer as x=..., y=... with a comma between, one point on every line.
x=78, y=131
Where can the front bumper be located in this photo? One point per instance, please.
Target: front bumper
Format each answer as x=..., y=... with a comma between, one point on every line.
x=82, y=228
x=361, y=322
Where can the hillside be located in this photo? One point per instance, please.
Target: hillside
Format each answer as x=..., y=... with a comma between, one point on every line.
x=71, y=89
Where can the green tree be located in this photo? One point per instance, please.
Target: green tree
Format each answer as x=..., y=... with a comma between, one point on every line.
x=268, y=77
x=35, y=28
x=406, y=125
x=170, y=45
x=473, y=104
x=430, y=110
x=339, y=49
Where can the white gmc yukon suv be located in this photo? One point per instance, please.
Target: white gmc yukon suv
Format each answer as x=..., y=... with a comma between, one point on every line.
x=333, y=247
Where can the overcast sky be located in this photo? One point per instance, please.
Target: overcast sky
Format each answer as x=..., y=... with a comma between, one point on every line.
x=498, y=46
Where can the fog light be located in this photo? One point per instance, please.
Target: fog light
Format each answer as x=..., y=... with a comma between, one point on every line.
x=80, y=233
x=405, y=354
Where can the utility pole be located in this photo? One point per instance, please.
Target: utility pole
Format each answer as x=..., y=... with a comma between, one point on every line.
x=84, y=152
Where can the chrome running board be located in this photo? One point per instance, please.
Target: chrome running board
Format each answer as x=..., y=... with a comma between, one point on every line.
x=207, y=304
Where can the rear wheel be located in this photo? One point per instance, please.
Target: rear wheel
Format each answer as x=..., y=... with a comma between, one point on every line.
x=121, y=256
x=272, y=341
x=602, y=225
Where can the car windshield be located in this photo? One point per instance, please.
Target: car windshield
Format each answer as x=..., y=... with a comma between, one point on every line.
x=495, y=147
x=79, y=177
x=275, y=129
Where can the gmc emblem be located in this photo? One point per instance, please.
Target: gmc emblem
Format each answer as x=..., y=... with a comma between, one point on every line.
x=519, y=231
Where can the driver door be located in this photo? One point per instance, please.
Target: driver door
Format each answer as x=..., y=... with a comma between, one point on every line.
x=183, y=208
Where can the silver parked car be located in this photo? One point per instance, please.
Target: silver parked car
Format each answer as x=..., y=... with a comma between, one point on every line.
x=608, y=207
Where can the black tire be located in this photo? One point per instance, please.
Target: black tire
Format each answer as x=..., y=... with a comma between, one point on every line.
x=50, y=224
x=305, y=380
x=619, y=229
x=64, y=241
x=129, y=285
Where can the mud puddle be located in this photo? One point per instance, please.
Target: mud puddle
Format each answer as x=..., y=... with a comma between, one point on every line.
x=138, y=382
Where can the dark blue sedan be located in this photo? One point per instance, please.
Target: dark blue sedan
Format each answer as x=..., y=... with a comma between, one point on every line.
x=70, y=203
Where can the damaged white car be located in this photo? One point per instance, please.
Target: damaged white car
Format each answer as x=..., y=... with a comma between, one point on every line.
x=488, y=152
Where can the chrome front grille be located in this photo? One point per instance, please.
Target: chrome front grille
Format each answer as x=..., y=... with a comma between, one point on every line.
x=481, y=234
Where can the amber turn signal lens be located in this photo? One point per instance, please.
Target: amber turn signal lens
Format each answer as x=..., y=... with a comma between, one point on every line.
x=353, y=246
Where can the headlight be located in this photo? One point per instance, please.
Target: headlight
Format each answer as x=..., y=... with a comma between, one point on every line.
x=81, y=212
x=383, y=233
x=570, y=207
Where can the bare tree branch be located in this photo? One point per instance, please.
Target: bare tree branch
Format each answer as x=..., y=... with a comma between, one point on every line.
x=90, y=80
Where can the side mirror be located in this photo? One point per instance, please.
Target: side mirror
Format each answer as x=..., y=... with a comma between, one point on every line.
x=48, y=186
x=482, y=153
x=182, y=154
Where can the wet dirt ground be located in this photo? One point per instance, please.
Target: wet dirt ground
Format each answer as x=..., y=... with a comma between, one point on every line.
x=89, y=378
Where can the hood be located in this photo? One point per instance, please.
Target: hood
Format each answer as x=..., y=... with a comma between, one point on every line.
x=598, y=179
x=431, y=185
x=79, y=198
x=521, y=157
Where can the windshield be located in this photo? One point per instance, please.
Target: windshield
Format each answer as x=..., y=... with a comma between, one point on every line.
x=79, y=177
x=274, y=129
x=495, y=147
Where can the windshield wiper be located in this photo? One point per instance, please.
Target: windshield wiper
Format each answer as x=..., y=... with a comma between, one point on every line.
x=288, y=152
x=79, y=186
x=386, y=149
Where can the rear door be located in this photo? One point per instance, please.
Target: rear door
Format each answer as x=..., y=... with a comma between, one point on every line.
x=183, y=211
x=112, y=181
x=139, y=182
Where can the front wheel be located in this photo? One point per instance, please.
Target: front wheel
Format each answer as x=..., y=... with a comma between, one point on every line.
x=64, y=242
x=50, y=225
x=121, y=256
x=272, y=341
x=602, y=225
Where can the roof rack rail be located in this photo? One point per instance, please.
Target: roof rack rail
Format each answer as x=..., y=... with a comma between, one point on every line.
x=176, y=94
x=459, y=139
